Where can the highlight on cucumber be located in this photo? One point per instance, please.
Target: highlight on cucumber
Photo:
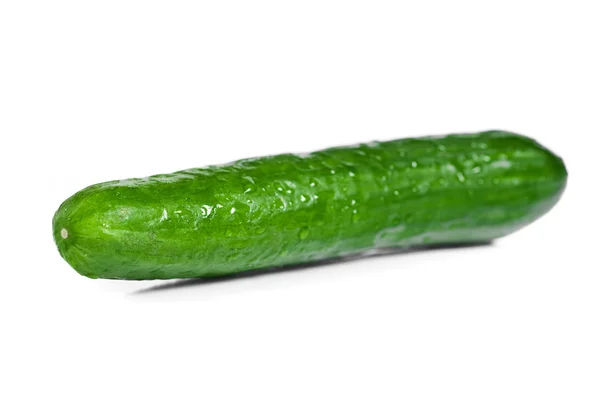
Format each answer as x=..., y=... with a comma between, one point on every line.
x=290, y=209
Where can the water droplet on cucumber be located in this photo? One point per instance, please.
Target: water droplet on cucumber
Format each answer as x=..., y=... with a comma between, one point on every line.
x=303, y=233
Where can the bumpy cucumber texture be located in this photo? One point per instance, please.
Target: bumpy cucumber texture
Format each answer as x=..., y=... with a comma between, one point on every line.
x=288, y=209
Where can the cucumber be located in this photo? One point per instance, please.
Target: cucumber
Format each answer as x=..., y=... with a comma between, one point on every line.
x=289, y=209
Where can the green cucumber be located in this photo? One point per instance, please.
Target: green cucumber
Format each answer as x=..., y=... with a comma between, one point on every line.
x=290, y=209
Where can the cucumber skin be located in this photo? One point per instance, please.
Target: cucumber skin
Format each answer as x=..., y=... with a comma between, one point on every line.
x=288, y=209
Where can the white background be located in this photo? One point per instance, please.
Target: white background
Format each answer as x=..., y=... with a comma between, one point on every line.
x=94, y=91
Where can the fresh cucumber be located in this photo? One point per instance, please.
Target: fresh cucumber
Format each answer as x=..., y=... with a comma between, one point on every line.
x=289, y=209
